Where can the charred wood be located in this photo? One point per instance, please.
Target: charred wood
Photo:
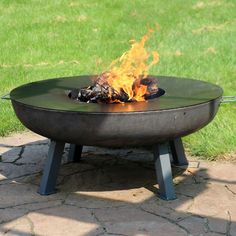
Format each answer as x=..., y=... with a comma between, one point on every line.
x=102, y=92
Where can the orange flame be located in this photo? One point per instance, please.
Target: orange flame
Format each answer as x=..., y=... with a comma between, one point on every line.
x=126, y=72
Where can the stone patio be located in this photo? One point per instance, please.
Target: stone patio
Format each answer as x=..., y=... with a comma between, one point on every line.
x=111, y=192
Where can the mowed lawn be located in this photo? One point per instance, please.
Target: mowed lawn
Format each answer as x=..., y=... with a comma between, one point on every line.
x=42, y=39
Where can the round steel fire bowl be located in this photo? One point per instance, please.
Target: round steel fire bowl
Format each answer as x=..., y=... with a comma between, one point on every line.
x=45, y=108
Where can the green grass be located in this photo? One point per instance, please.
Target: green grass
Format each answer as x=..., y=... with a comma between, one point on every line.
x=42, y=39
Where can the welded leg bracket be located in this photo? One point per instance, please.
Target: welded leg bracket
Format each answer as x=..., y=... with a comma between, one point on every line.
x=163, y=171
x=51, y=168
x=178, y=154
x=75, y=153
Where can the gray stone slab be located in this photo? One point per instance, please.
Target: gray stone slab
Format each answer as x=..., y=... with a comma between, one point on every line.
x=212, y=201
x=219, y=223
x=20, y=227
x=175, y=210
x=11, y=172
x=34, y=154
x=19, y=139
x=9, y=214
x=195, y=225
x=111, y=192
x=233, y=229
x=109, y=199
x=219, y=173
x=134, y=221
x=10, y=154
x=19, y=194
x=156, y=227
x=65, y=220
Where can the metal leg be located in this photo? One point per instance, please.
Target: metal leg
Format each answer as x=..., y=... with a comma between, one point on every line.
x=51, y=168
x=178, y=154
x=163, y=171
x=75, y=153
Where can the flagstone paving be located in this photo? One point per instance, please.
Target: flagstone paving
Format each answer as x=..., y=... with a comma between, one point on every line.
x=111, y=192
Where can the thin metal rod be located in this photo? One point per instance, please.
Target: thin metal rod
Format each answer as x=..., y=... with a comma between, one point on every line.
x=163, y=171
x=75, y=153
x=51, y=168
x=6, y=97
x=228, y=99
x=177, y=151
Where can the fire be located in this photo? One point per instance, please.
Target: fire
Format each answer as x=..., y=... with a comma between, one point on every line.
x=125, y=73
x=126, y=80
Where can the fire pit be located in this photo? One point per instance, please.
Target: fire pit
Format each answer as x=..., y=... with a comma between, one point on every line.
x=183, y=107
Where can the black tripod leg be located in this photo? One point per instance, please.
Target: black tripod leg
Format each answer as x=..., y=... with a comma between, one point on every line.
x=163, y=171
x=178, y=154
x=51, y=168
x=75, y=153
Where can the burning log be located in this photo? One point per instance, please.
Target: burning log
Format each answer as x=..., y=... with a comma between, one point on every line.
x=98, y=94
x=102, y=92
